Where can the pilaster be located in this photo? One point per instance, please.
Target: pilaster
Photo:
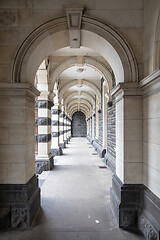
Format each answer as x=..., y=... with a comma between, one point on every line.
x=19, y=192
x=126, y=184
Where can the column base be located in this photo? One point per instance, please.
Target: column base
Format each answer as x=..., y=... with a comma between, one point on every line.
x=135, y=208
x=89, y=139
x=110, y=161
x=101, y=152
x=57, y=151
x=44, y=164
x=125, y=203
x=19, y=204
x=66, y=141
x=63, y=145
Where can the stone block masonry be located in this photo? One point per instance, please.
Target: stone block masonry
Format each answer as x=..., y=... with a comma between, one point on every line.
x=110, y=156
x=79, y=127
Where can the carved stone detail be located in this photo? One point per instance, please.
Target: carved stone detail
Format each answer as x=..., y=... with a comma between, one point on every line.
x=147, y=229
x=19, y=204
x=19, y=217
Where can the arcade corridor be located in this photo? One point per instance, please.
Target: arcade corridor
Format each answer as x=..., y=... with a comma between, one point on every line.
x=75, y=200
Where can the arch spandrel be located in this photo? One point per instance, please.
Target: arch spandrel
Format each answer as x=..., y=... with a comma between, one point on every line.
x=40, y=44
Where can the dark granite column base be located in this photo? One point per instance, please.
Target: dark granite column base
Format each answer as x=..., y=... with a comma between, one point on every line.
x=110, y=161
x=69, y=138
x=89, y=139
x=19, y=204
x=44, y=164
x=101, y=152
x=135, y=208
x=62, y=145
x=126, y=200
x=57, y=151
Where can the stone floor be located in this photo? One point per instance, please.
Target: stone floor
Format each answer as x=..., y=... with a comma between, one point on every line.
x=75, y=200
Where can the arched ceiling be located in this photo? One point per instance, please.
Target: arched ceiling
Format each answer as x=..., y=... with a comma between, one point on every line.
x=79, y=85
x=79, y=72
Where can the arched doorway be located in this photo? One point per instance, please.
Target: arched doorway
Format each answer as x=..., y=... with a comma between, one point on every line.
x=79, y=128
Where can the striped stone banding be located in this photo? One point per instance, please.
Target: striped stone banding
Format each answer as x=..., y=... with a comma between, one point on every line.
x=55, y=123
x=43, y=104
x=61, y=124
x=61, y=115
x=44, y=121
x=43, y=138
x=55, y=134
x=56, y=111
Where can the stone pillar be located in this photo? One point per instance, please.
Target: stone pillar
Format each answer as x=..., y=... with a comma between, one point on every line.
x=91, y=126
x=94, y=126
x=44, y=159
x=36, y=128
x=127, y=183
x=56, y=147
x=61, y=129
x=19, y=192
x=69, y=128
x=88, y=127
x=93, y=129
x=65, y=129
x=67, y=135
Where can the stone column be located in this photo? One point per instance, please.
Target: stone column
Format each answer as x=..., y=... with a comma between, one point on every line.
x=65, y=129
x=127, y=183
x=87, y=126
x=94, y=126
x=70, y=124
x=68, y=129
x=56, y=147
x=61, y=129
x=91, y=126
x=19, y=192
x=44, y=159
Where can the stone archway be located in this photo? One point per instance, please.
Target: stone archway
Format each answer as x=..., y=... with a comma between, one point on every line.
x=51, y=36
x=79, y=128
x=45, y=39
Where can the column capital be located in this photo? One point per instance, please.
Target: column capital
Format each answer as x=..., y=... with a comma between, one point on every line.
x=19, y=89
x=51, y=96
x=126, y=89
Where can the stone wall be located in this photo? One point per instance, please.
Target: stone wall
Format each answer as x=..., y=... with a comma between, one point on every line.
x=111, y=135
x=112, y=129
x=79, y=127
x=100, y=140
